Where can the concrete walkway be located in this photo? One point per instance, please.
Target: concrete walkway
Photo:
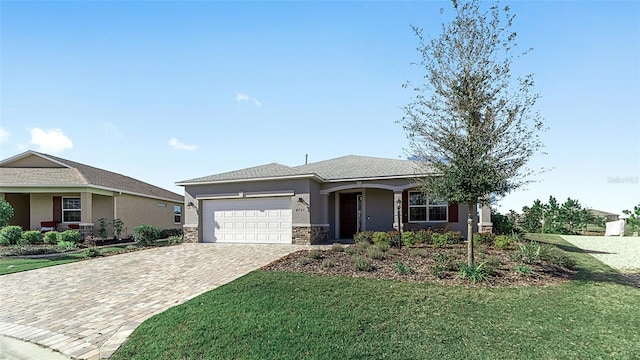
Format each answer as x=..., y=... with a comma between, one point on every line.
x=87, y=309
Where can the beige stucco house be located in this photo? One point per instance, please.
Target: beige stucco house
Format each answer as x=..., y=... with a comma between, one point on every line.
x=313, y=203
x=45, y=188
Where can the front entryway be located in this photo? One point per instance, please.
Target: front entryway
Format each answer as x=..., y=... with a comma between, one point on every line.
x=349, y=210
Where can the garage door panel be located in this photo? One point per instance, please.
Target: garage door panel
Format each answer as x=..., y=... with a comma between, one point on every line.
x=263, y=220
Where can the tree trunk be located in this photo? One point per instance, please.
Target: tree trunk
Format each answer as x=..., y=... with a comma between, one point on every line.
x=471, y=215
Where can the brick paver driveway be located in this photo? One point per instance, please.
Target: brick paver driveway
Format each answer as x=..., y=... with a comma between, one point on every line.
x=87, y=309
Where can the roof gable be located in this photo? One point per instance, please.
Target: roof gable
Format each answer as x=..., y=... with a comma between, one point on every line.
x=63, y=172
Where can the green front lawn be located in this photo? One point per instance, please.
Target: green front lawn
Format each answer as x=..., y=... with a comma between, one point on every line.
x=282, y=315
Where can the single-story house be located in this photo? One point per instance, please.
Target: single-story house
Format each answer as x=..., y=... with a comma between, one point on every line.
x=605, y=214
x=48, y=190
x=315, y=202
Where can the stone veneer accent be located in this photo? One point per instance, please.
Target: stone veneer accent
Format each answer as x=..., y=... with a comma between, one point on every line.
x=309, y=235
x=190, y=234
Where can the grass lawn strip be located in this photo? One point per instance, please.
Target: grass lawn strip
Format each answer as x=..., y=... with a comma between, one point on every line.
x=285, y=315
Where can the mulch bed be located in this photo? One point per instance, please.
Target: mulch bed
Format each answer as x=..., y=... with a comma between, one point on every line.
x=422, y=262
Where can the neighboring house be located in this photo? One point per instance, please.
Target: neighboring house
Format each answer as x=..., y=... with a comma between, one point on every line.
x=44, y=188
x=607, y=215
x=312, y=203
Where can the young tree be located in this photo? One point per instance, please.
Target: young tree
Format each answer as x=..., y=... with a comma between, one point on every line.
x=470, y=122
x=633, y=218
x=6, y=212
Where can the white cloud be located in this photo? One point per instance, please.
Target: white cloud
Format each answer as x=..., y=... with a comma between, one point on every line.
x=52, y=141
x=178, y=145
x=4, y=135
x=240, y=98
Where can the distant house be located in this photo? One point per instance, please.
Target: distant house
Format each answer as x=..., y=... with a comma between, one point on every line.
x=48, y=190
x=312, y=203
x=607, y=215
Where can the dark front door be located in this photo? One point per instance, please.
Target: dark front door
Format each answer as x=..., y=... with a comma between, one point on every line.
x=348, y=215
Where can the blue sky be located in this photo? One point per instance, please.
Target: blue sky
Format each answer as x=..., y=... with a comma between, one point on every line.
x=168, y=91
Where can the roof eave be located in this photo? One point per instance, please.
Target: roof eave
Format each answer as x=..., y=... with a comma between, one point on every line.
x=228, y=181
x=5, y=187
x=390, y=177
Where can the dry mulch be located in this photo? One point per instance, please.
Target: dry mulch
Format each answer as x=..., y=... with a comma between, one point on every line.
x=422, y=262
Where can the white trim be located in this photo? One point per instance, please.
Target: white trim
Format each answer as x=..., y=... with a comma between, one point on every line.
x=309, y=225
x=255, y=194
x=427, y=206
x=219, y=196
x=193, y=226
x=63, y=210
x=398, y=188
x=390, y=177
x=7, y=188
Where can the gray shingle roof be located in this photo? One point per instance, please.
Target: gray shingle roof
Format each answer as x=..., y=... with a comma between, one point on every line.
x=342, y=168
x=79, y=174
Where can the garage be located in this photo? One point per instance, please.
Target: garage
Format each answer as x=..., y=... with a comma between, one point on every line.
x=264, y=220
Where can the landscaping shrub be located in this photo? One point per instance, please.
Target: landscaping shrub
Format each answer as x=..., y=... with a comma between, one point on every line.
x=503, y=242
x=437, y=270
x=483, y=239
x=6, y=212
x=102, y=229
x=328, y=263
x=337, y=247
x=145, y=234
x=424, y=236
x=393, y=237
x=453, y=237
x=51, y=237
x=523, y=269
x=447, y=261
x=10, y=235
x=351, y=251
x=380, y=237
x=529, y=252
x=175, y=240
x=92, y=252
x=30, y=237
x=409, y=238
x=474, y=274
x=67, y=245
x=69, y=236
x=439, y=240
x=167, y=233
x=383, y=247
x=375, y=253
x=315, y=254
x=303, y=260
x=361, y=263
x=363, y=237
x=491, y=263
x=419, y=252
x=402, y=268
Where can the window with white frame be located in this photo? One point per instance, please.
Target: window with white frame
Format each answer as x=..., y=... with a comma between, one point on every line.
x=177, y=214
x=423, y=208
x=71, y=209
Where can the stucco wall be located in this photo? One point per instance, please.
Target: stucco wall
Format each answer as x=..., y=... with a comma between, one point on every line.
x=102, y=208
x=378, y=209
x=34, y=161
x=41, y=209
x=135, y=210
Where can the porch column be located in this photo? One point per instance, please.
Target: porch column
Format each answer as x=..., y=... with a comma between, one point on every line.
x=484, y=220
x=397, y=196
x=86, y=204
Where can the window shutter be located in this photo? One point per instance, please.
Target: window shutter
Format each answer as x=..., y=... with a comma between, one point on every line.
x=453, y=212
x=405, y=206
x=57, y=209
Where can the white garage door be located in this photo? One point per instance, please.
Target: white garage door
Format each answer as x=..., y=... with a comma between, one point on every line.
x=257, y=220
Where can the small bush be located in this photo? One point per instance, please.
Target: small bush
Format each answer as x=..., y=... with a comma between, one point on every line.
x=30, y=237
x=424, y=236
x=492, y=263
x=337, y=247
x=131, y=247
x=145, y=234
x=6, y=212
x=10, y=235
x=51, y=237
x=361, y=263
x=522, y=269
x=315, y=254
x=304, y=260
x=402, y=268
x=392, y=252
x=439, y=240
x=502, y=242
x=557, y=257
x=383, y=247
x=381, y=237
x=453, y=237
x=363, y=237
x=67, y=245
x=69, y=236
x=529, y=252
x=475, y=274
x=351, y=251
x=375, y=253
x=483, y=239
x=92, y=252
x=328, y=263
x=167, y=233
x=409, y=238
x=393, y=237
x=447, y=260
x=438, y=271
x=175, y=240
